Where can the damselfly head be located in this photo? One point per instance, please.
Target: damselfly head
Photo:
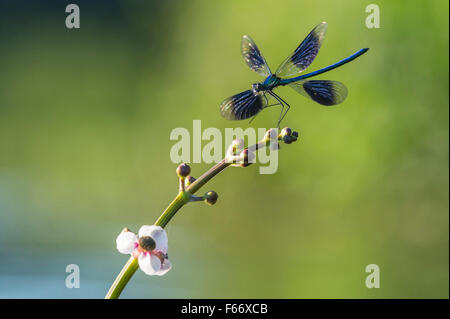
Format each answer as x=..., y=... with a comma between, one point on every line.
x=257, y=87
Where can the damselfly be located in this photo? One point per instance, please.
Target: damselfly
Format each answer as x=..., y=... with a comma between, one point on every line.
x=249, y=103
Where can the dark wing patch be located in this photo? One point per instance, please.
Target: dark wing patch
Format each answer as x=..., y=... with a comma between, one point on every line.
x=324, y=92
x=305, y=53
x=242, y=106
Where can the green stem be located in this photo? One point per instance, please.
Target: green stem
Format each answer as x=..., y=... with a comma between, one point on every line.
x=182, y=198
x=179, y=201
x=122, y=278
x=202, y=180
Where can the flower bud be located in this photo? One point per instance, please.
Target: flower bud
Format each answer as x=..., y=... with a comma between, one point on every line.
x=295, y=133
x=287, y=139
x=147, y=243
x=272, y=133
x=237, y=145
x=183, y=170
x=189, y=180
x=246, y=158
x=211, y=197
x=286, y=131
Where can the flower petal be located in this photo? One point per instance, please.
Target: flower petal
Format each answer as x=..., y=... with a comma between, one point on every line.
x=146, y=230
x=165, y=267
x=149, y=263
x=158, y=234
x=126, y=242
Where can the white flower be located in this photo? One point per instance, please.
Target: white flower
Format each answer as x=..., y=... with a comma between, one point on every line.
x=150, y=248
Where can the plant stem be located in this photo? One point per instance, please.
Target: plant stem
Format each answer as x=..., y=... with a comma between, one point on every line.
x=122, y=279
x=183, y=197
x=202, y=180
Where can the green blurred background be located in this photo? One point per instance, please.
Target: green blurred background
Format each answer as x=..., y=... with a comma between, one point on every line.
x=85, y=119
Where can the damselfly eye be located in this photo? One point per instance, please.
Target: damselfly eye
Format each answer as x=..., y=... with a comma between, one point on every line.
x=256, y=87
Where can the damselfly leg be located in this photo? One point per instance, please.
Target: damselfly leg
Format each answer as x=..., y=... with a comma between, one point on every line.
x=283, y=104
x=267, y=105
